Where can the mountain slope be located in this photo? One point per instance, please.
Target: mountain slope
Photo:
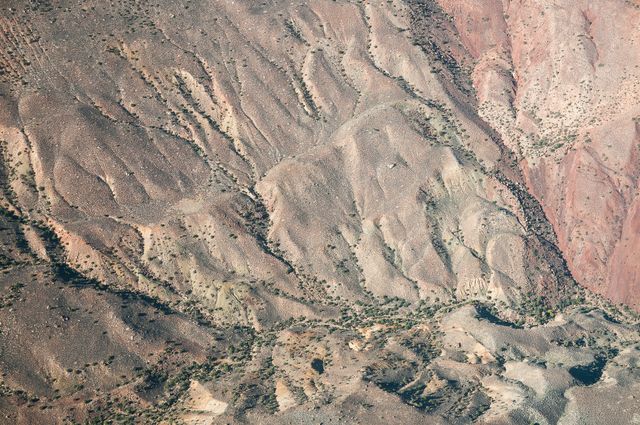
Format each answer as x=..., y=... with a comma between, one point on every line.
x=269, y=208
x=558, y=80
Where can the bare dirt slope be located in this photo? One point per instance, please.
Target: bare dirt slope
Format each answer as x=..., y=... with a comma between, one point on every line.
x=560, y=81
x=281, y=212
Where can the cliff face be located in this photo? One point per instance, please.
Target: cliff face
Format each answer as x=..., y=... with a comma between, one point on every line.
x=243, y=211
x=560, y=82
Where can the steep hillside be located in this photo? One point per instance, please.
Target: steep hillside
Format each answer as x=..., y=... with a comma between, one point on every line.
x=560, y=81
x=218, y=211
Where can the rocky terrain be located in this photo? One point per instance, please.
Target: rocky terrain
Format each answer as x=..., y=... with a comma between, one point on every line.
x=403, y=211
x=559, y=81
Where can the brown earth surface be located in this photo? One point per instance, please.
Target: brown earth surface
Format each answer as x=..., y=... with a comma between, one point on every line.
x=319, y=212
x=560, y=82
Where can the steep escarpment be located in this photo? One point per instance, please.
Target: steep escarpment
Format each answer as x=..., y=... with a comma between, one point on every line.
x=558, y=81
